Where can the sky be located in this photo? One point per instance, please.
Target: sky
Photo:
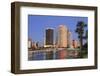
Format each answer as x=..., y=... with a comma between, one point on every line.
x=38, y=23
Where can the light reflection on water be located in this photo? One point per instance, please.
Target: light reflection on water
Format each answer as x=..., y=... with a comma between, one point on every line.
x=52, y=54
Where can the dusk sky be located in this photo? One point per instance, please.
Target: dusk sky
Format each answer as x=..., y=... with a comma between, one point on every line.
x=38, y=23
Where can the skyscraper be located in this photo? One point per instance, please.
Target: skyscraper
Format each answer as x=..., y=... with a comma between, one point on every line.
x=62, y=36
x=49, y=37
x=69, y=39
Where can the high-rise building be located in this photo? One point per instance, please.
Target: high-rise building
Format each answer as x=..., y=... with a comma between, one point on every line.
x=49, y=37
x=69, y=39
x=62, y=36
x=29, y=43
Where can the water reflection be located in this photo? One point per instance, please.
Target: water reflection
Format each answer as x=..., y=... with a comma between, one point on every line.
x=50, y=54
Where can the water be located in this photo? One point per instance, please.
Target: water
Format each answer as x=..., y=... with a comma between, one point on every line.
x=52, y=54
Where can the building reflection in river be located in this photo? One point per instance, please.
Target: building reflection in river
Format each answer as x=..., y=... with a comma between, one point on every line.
x=53, y=54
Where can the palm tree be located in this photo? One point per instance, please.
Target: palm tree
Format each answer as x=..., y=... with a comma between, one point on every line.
x=80, y=31
x=86, y=35
x=86, y=38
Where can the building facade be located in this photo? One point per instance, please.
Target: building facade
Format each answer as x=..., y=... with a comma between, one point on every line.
x=62, y=36
x=69, y=39
x=49, y=37
x=29, y=43
x=75, y=44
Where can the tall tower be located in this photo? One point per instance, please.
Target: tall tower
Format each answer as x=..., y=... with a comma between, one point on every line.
x=62, y=36
x=69, y=39
x=49, y=37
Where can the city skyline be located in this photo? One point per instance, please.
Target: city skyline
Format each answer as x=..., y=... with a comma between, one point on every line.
x=38, y=23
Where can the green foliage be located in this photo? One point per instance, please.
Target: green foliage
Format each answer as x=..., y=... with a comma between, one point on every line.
x=80, y=30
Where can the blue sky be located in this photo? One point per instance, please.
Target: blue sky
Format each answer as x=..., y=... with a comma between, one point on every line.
x=38, y=23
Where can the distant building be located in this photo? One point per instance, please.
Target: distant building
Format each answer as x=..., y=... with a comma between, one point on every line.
x=37, y=44
x=62, y=36
x=49, y=37
x=69, y=39
x=78, y=43
x=75, y=44
x=34, y=46
x=29, y=43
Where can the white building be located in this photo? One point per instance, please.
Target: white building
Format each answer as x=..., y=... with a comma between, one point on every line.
x=29, y=43
x=62, y=36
